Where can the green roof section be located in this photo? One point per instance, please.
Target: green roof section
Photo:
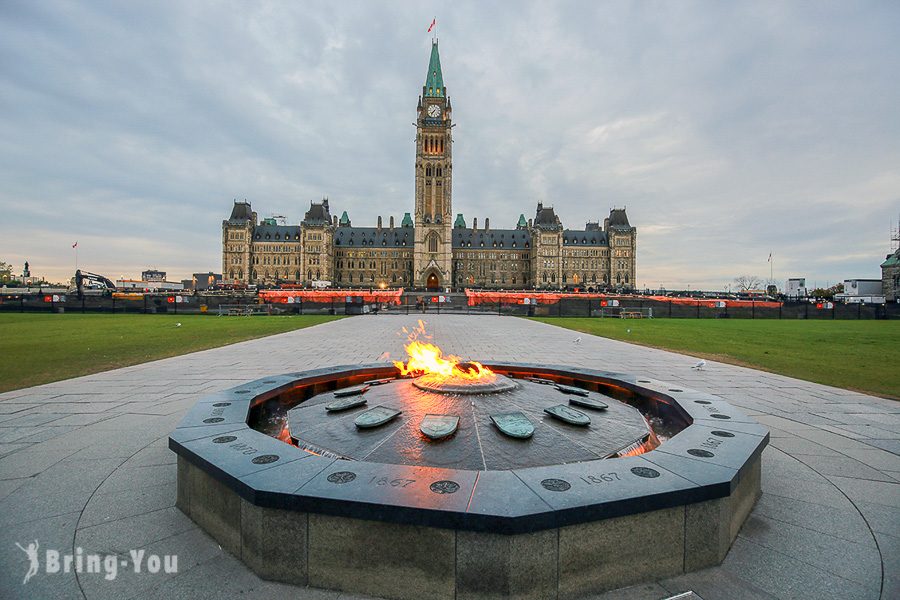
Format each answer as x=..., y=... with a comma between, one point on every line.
x=460, y=221
x=893, y=260
x=434, y=80
x=522, y=224
x=407, y=220
x=345, y=219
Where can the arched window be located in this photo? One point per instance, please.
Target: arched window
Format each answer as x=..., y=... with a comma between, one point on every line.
x=433, y=243
x=309, y=274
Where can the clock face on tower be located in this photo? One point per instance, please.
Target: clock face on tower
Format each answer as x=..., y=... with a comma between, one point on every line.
x=434, y=111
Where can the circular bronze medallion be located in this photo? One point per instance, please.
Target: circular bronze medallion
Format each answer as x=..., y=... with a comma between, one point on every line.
x=265, y=459
x=645, y=472
x=444, y=487
x=700, y=453
x=214, y=420
x=342, y=477
x=220, y=404
x=556, y=485
x=224, y=439
x=723, y=433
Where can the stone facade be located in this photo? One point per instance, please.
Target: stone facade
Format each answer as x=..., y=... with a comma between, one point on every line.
x=430, y=249
x=890, y=277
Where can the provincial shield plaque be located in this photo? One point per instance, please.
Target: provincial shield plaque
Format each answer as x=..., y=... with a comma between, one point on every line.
x=375, y=417
x=514, y=424
x=439, y=426
x=345, y=403
x=568, y=415
x=568, y=389
x=351, y=391
x=588, y=402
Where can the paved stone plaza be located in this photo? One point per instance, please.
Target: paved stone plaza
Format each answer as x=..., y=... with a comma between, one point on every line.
x=85, y=463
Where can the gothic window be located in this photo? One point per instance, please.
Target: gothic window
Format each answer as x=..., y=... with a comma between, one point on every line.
x=433, y=243
x=309, y=274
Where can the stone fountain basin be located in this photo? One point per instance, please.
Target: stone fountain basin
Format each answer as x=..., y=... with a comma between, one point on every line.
x=406, y=531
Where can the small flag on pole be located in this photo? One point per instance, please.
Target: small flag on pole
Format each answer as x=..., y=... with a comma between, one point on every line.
x=75, y=245
x=770, y=257
x=433, y=23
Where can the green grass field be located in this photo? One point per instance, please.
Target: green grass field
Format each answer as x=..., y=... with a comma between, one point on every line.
x=40, y=348
x=858, y=355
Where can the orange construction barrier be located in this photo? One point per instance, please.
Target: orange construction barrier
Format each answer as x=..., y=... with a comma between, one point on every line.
x=326, y=296
x=488, y=297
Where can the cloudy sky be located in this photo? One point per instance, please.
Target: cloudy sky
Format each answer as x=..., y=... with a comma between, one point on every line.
x=729, y=130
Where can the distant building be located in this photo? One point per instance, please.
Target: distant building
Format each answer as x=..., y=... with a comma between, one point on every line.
x=204, y=281
x=796, y=287
x=151, y=286
x=890, y=277
x=866, y=291
x=430, y=248
x=153, y=275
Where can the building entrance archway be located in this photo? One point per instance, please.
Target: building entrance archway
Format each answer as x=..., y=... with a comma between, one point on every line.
x=433, y=283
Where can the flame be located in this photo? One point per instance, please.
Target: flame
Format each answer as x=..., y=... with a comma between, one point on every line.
x=425, y=358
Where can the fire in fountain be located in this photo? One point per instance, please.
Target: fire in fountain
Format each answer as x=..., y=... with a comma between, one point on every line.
x=446, y=374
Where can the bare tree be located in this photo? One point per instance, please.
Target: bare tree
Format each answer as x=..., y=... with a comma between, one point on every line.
x=747, y=282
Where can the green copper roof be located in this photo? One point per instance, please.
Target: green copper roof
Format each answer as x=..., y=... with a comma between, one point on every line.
x=893, y=260
x=460, y=221
x=522, y=222
x=407, y=220
x=345, y=218
x=434, y=80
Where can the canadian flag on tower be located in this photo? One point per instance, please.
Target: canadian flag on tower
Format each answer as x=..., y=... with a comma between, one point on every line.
x=433, y=23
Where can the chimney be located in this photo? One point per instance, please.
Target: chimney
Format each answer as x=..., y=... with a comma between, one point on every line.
x=334, y=220
x=606, y=224
x=392, y=221
x=379, y=221
x=530, y=223
x=475, y=223
x=487, y=224
x=540, y=206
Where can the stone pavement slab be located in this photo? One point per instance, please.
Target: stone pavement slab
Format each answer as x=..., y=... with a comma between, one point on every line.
x=84, y=463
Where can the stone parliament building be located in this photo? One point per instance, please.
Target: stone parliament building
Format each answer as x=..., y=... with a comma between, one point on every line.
x=429, y=249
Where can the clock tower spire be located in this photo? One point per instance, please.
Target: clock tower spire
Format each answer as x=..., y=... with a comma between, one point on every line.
x=434, y=168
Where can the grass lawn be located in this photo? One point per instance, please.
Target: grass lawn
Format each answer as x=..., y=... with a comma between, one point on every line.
x=40, y=348
x=858, y=355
